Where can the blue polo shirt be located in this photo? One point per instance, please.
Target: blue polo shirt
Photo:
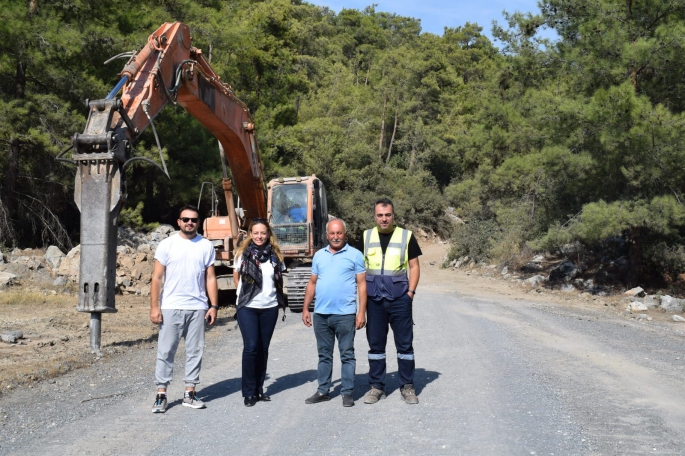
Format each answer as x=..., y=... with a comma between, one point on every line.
x=336, y=283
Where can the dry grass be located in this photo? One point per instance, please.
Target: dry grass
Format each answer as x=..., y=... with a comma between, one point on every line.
x=17, y=298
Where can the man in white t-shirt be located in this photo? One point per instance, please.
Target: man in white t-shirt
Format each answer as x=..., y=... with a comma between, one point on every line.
x=184, y=263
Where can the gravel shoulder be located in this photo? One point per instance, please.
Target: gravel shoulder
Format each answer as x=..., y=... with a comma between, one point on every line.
x=500, y=370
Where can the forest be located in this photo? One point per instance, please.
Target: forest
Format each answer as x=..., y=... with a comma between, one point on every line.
x=534, y=144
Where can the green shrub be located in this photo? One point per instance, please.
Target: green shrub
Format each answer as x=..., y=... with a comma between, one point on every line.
x=133, y=218
x=474, y=239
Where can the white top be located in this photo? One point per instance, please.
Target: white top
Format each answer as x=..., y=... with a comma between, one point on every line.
x=186, y=262
x=267, y=297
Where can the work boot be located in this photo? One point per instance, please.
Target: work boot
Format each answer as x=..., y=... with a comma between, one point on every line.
x=374, y=395
x=409, y=395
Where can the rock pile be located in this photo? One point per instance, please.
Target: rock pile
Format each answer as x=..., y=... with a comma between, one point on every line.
x=565, y=277
x=52, y=269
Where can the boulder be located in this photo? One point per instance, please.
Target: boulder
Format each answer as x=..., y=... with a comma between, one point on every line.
x=637, y=307
x=536, y=280
x=671, y=304
x=164, y=230
x=651, y=301
x=678, y=318
x=69, y=267
x=505, y=270
x=567, y=288
x=30, y=262
x=9, y=339
x=531, y=266
x=15, y=333
x=6, y=278
x=564, y=272
x=54, y=256
x=637, y=291
x=60, y=281
x=126, y=262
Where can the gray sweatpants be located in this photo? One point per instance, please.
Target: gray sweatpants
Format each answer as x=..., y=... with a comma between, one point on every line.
x=189, y=324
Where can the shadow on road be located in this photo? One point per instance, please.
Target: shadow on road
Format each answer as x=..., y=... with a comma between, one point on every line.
x=222, y=389
x=233, y=385
x=290, y=381
x=422, y=377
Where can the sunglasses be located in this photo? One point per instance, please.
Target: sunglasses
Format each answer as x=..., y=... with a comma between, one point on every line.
x=259, y=220
x=189, y=219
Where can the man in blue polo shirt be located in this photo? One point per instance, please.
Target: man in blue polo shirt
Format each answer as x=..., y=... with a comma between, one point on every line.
x=338, y=277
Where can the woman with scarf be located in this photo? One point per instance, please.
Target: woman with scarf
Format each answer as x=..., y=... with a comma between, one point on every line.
x=258, y=271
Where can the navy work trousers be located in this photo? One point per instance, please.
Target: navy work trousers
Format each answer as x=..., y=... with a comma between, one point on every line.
x=397, y=314
x=257, y=326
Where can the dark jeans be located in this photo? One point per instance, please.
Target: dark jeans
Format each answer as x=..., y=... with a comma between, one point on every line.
x=257, y=326
x=398, y=315
x=327, y=328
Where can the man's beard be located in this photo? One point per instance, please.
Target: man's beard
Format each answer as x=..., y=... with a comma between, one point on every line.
x=188, y=232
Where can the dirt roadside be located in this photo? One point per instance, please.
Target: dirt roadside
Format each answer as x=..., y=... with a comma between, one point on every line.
x=56, y=337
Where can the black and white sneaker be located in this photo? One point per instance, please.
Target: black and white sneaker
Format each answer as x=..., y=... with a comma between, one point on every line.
x=191, y=400
x=160, y=404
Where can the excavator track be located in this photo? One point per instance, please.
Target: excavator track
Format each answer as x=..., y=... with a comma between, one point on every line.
x=296, y=280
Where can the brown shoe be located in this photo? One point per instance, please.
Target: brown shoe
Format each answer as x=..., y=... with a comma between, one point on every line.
x=373, y=396
x=409, y=395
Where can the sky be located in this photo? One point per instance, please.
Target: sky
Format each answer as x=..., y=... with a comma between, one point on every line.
x=435, y=15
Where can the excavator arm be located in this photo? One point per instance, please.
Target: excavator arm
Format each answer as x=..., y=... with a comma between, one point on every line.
x=167, y=69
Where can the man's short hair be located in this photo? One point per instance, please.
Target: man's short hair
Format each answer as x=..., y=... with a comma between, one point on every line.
x=384, y=202
x=188, y=207
x=337, y=220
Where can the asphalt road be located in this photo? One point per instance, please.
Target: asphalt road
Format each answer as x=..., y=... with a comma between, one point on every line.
x=493, y=378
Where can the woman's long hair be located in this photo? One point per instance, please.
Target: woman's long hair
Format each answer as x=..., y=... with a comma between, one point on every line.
x=272, y=239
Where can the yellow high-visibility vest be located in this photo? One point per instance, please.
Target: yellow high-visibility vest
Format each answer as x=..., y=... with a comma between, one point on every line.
x=396, y=258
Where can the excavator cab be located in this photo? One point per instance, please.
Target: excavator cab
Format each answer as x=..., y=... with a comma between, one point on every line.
x=298, y=212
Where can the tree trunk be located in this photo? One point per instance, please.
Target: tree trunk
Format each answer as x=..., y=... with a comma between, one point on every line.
x=380, y=142
x=11, y=177
x=635, y=257
x=392, y=139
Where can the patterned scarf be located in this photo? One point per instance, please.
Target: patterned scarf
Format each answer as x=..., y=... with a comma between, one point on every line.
x=251, y=274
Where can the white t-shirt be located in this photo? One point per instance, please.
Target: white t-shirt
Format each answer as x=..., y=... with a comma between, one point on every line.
x=186, y=262
x=267, y=297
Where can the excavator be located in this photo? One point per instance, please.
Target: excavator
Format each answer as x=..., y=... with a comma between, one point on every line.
x=168, y=69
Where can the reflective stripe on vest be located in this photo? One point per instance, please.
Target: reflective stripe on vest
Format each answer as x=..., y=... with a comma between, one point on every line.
x=394, y=261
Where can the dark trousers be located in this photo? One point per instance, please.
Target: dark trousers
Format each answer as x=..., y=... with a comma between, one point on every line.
x=326, y=329
x=398, y=315
x=257, y=326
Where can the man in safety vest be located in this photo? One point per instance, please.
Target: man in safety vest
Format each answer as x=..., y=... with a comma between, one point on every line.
x=392, y=274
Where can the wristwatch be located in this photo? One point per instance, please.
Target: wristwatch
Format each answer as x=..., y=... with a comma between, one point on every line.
x=214, y=307
x=411, y=291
